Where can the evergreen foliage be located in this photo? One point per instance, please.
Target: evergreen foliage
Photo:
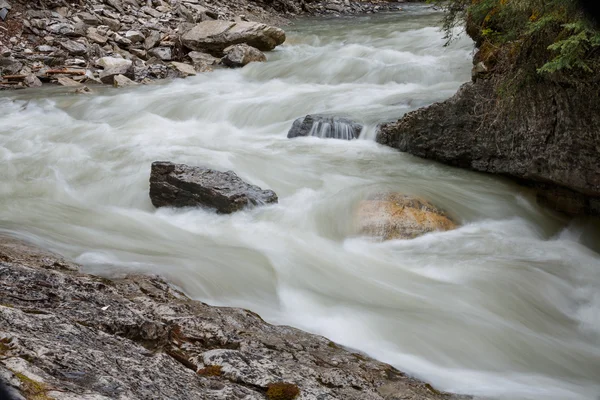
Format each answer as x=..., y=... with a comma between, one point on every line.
x=571, y=44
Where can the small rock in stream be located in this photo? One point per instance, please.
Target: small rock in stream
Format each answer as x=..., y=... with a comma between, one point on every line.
x=325, y=126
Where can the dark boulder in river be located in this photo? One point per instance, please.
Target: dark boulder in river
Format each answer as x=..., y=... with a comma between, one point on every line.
x=325, y=126
x=180, y=185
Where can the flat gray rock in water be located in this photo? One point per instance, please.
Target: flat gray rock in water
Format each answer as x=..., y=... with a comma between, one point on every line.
x=180, y=185
x=325, y=126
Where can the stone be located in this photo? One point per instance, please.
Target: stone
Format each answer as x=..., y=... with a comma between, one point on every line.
x=184, y=69
x=120, y=81
x=46, y=49
x=215, y=36
x=239, y=55
x=120, y=40
x=140, y=53
x=113, y=62
x=64, y=81
x=325, y=126
x=152, y=40
x=203, y=58
x=74, y=48
x=162, y=53
x=546, y=140
x=396, y=216
x=32, y=81
x=180, y=185
x=134, y=36
x=107, y=75
x=96, y=37
x=75, y=336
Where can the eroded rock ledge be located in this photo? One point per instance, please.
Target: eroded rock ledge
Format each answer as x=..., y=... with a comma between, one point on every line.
x=545, y=136
x=67, y=335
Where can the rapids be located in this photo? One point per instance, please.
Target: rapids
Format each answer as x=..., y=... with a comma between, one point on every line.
x=505, y=307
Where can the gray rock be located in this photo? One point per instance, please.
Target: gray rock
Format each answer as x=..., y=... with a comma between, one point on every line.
x=184, y=70
x=113, y=62
x=135, y=36
x=94, y=36
x=162, y=53
x=120, y=81
x=81, y=337
x=239, y=55
x=547, y=139
x=325, y=126
x=64, y=81
x=108, y=75
x=203, y=58
x=74, y=48
x=215, y=36
x=179, y=185
x=152, y=40
x=32, y=81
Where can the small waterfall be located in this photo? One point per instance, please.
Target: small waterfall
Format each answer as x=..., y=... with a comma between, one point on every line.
x=335, y=128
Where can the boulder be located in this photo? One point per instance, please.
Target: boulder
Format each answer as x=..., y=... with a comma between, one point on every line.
x=396, y=216
x=32, y=81
x=239, y=55
x=162, y=53
x=113, y=62
x=120, y=81
x=108, y=75
x=202, y=58
x=180, y=185
x=325, y=126
x=74, y=48
x=215, y=36
x=183, y=69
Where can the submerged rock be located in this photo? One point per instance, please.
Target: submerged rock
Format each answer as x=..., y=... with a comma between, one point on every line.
x=180, y=185
x=325, y=126
x=215, y=36
x=240, y=55
x=65, y=335
x=397, y=216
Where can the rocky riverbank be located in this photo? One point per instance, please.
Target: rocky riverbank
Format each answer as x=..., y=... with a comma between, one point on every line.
x=514, y=119
x=124, y=42
x=67, y=335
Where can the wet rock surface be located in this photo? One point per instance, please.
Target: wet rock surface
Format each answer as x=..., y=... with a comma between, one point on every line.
x=53, y=39
x=240, y=55
x=180, y=185
x=546, y=138
x=390, y=216
x=65, y=335
x=325, y=126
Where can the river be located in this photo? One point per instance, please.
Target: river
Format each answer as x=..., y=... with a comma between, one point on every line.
x=505, y=307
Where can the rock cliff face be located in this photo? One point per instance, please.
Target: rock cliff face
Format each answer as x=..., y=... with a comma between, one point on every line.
x=65, y=335
x=545, y=134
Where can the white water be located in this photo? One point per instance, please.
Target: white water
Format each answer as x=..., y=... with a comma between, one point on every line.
x=507, y=306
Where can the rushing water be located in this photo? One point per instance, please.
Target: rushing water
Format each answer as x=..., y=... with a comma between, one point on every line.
x=507, y=306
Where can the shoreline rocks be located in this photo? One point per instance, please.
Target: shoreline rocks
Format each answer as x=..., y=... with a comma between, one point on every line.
x=325, y=127
x=47, y=40
x=66, y=335
x=180, y=185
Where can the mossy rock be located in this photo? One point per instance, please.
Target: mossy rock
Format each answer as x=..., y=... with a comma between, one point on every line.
x=211, y=370
x=396, y=216
x=282, y=391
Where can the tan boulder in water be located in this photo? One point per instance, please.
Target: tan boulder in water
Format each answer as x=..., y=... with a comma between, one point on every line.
x=214, y=36
x=397, y=216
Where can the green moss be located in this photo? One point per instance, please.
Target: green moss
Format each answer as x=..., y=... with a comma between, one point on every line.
x=32, y=390
x=282, y=391
x=211, y=370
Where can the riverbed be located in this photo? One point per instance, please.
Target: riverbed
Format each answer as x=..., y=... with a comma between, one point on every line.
x=505, y=307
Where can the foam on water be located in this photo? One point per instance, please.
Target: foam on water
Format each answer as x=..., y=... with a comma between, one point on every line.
x=506, y=306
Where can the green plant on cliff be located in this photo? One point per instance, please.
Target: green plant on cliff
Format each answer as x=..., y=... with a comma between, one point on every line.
x=554, y=34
